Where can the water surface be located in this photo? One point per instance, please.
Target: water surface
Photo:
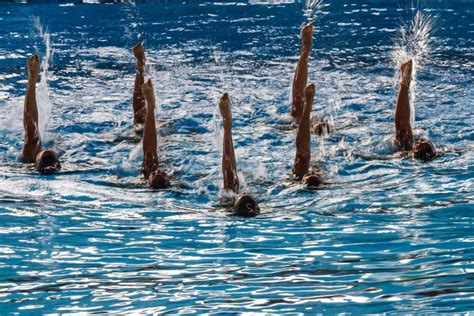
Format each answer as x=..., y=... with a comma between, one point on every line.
x=385, y=234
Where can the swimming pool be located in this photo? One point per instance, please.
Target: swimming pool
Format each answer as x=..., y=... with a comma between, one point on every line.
x=386, y=234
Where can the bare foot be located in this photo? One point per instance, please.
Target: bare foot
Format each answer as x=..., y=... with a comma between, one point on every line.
x=224, y=106
x=33, y=67
x=147, y=90
x=307, y=35
x=309, y=92
x=405, y=72
x=139, y=53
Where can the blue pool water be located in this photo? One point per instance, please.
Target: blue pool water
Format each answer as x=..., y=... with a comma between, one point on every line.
x=385, y=234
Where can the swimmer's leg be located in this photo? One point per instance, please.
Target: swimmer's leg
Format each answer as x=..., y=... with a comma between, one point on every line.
x=404, y=133
x=303, y=136
x=32, y=139
x=139, y=108
x=301, y=75
x=229, y=166
x=150, y=155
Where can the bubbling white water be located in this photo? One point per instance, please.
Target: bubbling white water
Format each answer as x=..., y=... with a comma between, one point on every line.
x=45, y=105
x=413, y=42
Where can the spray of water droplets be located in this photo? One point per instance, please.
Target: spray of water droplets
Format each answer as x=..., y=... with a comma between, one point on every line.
x=413, y=42
x=45, y=106
x=312, y=10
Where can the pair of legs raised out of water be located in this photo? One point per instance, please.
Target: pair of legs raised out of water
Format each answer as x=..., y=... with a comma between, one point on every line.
x=302, y=104
x=300, y=81
x=245, y=204
x=144, y=115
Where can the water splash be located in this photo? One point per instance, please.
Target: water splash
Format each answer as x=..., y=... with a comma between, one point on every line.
x=413, y=42
x=219, y=143
x=218, y=138
x=312, y=10
x=135, y=153
x=320, y=152
x=45, y=105
x=132, y=32
x=219, y=60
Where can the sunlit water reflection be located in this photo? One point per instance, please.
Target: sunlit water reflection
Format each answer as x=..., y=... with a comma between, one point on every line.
x=386, y=233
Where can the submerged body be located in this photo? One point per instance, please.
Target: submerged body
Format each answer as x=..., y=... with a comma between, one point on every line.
x=46, y=161
x=301, y=165
x=245, y=205
x=155, y=178
x=144, y=115
x=404, y=139
x=32, y=139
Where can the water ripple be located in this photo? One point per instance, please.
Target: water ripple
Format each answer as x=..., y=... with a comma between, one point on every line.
x=385, y=233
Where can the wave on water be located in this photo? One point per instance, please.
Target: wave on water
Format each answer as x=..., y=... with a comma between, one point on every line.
x=95, y=239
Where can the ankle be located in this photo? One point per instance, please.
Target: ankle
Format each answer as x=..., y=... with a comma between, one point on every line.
x=405, y=82
x=32, y=79
x=227, y=124
x=306, y=44
x=140, y=65
x=305, y=52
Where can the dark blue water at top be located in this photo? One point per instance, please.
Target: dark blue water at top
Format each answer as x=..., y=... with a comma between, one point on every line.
x=385, y=234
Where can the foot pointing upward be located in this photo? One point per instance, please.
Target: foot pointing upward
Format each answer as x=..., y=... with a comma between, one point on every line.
x=405, y=72
x=307, y=36
x=224, y=106
x=33, y=67
x=147, y=90
x=309, y=92
x=139, y=53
